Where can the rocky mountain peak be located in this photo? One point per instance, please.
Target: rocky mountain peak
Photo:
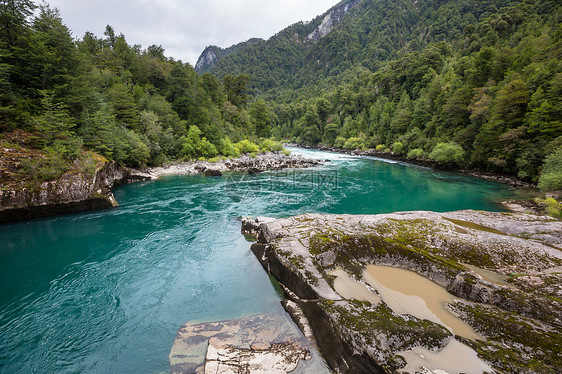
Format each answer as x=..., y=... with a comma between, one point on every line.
x=207, y=59
x=213, y=54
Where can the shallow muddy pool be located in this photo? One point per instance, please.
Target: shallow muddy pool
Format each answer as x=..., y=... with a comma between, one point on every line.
x=406, y=292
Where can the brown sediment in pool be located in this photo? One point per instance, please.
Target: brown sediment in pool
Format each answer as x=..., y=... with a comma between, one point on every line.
x=351, y=289
x=406, y=292
x=454, y=358
x=488, y=275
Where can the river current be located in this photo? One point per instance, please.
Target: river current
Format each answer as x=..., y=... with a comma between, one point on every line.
x=106, y=291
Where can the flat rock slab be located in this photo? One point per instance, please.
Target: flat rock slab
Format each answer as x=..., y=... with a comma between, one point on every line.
x=258, y=344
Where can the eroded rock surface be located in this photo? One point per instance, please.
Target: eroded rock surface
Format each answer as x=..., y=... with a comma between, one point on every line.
x=503, y=267
x=258, y=344
x=71, y=193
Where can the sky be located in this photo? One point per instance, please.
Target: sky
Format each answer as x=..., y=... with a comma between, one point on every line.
x=185, y=27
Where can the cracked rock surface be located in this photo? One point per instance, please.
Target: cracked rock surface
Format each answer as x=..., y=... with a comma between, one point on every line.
x=504, y=268
x=257, y=344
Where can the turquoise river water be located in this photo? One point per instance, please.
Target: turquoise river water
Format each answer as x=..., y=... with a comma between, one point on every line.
x=106, y=291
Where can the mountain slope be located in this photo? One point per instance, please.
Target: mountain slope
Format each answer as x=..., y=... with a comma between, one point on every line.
x=353, y=33
x=276, y=60
x=465, y=82
x=212, y=54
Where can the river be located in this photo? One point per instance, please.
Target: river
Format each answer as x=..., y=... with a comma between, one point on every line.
x=106, y=291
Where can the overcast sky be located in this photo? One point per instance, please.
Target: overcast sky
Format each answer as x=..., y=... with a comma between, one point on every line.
x=185, y=27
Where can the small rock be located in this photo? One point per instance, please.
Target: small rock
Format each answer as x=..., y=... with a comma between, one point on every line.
x=213, y=173
x=253, y=171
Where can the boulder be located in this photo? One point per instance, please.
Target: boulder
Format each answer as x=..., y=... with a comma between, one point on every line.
x=213, y=172
x=253, y=171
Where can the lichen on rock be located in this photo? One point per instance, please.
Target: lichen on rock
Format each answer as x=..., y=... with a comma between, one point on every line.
x=506, y=267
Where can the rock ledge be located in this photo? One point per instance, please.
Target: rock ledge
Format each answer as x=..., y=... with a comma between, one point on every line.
x=520, y=314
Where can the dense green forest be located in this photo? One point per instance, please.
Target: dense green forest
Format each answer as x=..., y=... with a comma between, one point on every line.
x=478, y=84
x=465, y=82
x=70, y=97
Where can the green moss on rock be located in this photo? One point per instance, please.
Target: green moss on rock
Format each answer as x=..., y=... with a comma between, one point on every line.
x=514, y=343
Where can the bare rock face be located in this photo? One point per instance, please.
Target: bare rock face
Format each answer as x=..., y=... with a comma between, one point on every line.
x=258, y=344
x=331, y=19
x=213, y=54
x=71, y=193
x=504, y=268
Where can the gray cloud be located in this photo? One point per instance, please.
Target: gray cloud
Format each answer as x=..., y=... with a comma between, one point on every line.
x=185, y=27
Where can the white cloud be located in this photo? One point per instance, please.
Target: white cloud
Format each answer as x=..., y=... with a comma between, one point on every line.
x=185, y=27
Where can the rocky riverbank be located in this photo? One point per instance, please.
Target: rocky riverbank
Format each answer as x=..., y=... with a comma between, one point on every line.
x=78, y=191
x=504, y=270
x=507, y=179
x=72, y=192
x=252, y=165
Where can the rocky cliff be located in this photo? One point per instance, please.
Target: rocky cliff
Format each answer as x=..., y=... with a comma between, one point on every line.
x=70, y=193
x=213, y=54
x=331, y=19
x=504, y=271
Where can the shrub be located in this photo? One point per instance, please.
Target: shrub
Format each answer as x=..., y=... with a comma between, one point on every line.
x=268, y=145
x=551, y=174
x=190, y=142
x=416, y=153
x=68, y=149
x=45, y=169
x=245, y=146
x=447, y=153
x=381, y=147
x=226, y=148
x=398, y=148
x=354, y=143
x=553, y=207
x=339, y=142
x=206, y=149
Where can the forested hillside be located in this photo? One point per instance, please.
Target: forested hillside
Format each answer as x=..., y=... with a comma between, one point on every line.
x=212, y=54
x=466, y=82
x=355, y=33
x=61, y=99
x=474, y=83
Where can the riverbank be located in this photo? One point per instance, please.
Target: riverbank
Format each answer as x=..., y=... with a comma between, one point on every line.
x=504, y=271
x=80, y=191
x=252, y=165
x=507, y=179
x=72, y=192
